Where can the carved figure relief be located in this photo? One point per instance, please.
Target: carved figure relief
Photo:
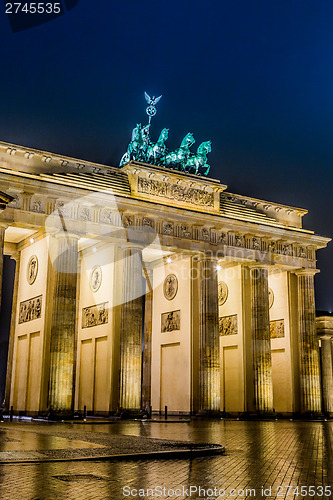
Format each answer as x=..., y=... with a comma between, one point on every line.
x=170, y=286
x=30, y=309
x=174, y=192
x=185, y=231
x=95, y=280
x=128, y=220
x=107, y=217
x=37, y=206
x=223, y=238
x=95, y=315
x=148, y=223
x=256, y=243
x=223, y=292
x=287, y=249
x=170, y=321
x=239, y=240
x=84, y=213
x=205, y=234
x=270, y=297
x=32, y=269
x=277, y=329
x=228, y=325
x=167, y=228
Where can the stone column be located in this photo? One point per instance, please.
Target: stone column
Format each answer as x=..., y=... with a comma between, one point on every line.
x=209, y=338
x=308, y=344
x=131, y=324
x=327, y=374
x=2, y=242
x=261, y=341
x=17, y=258
x=62, y=342
x=147, y=342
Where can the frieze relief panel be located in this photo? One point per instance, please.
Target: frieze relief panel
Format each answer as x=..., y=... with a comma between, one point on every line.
x=277, y=328
x=175, y=192
x=228, y=325
x=170, y=321
x=30, y=309
x=95, y=315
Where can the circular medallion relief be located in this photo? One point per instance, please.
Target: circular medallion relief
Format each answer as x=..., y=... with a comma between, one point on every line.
x=170, y=286
x=32, y=269
x=95, y=280
x=223, y=292
x=270, y=297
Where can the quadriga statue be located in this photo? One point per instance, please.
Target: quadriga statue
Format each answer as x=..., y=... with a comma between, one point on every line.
x=199, y=160
x=177, y=159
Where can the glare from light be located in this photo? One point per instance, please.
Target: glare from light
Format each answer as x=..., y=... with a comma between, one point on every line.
x=32, y=240
x=169, y=260
x=218, y=267
x=94, y=249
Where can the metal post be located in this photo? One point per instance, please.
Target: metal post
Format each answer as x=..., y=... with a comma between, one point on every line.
x=85, y=412
x=166, y=412
x=11, y=413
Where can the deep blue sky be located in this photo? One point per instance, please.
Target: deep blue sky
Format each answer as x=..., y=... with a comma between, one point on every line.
x=255, y=77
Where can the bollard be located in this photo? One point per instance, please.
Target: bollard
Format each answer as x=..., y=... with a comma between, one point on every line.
x=11, y=413
x=85, y=412
x=150, y=411
x=166, y=412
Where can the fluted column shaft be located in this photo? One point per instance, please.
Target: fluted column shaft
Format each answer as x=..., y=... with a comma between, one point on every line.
x=17, y=258
x=62, y=343
x=131, y=331
x=309, y=348
x=2, y=242
x=327, y=374
x=147, y=343
x=209, y=339
x=261, y=342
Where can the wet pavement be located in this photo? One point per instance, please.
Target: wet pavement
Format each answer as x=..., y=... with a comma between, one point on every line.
x=273, y=459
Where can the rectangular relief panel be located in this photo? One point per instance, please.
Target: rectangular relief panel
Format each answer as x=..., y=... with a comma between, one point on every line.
x=30, y=309
x=170, y=321
x=277, y=329
x=95, y=315
x=228, y=325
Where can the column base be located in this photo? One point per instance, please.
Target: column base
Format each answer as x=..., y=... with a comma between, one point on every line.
x=209, y=414
x=261, y=414
x=126, y=414
x=312, y=415
x=59, y=415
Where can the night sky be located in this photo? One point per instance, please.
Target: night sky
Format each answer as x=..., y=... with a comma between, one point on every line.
x=254, y=77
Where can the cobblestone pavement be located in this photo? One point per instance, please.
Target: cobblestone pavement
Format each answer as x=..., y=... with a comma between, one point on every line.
x=263, y=460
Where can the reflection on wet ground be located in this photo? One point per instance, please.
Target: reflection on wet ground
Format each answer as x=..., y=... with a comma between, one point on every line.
x=263, y=460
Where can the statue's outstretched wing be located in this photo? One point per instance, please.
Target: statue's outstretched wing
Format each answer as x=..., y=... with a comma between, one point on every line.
x=148, y=99
x=156, y=100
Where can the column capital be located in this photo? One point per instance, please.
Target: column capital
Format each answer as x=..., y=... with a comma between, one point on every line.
x=306, y=272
